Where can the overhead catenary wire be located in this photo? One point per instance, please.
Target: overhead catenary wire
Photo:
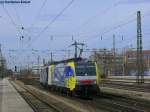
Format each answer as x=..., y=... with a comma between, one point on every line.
x=108, y=32
x=123, y=23
x=120, y=25
x=39, y=11
x=95, y=16
x=131, y=40
x=114, y=28
x=52, y=21
x=11, y=19
x=28, y=32
x=21, y=24
x=115, y=4
x=13, y=22
x=16, y=26
x=18, y=17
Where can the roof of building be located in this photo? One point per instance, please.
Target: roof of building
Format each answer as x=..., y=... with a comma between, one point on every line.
x=133, y=53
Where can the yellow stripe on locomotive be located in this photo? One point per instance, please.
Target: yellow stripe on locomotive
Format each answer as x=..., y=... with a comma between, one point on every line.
x=68, y=75
x=71, y=81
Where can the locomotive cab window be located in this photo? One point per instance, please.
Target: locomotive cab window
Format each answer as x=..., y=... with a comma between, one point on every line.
x=83, y=69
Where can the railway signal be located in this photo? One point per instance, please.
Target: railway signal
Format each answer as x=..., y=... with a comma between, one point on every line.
x=15, y=68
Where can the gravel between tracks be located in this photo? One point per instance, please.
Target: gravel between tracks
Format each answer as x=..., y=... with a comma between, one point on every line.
x=105, y=103
x=62, y=103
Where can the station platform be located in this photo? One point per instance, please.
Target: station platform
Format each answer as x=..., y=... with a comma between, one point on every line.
x=10, y=99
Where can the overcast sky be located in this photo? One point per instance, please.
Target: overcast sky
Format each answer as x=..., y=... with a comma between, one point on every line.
x=86, y=20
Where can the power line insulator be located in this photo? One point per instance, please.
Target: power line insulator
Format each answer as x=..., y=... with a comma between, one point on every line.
x=101, y=38
x=22, y=28
x=72, y=38
x=29, y=38
x=51, y=37
x=122, y=38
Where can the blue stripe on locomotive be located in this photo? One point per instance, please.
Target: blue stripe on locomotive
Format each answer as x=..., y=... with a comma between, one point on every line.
x=59, y=76
x=68, y=72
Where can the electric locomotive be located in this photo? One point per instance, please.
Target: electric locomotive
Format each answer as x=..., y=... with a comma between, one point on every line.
x=76, y=75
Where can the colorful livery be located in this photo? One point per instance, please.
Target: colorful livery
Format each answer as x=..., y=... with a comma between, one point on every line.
x=74, y=75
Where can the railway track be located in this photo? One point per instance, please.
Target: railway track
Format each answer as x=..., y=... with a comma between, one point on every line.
x=116, y=103
x=36, y=103
x=107, y=103
x=39, y=102
x=133, y=87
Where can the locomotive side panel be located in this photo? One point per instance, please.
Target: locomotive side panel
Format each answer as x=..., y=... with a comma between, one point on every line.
x=58, y=75
x=44, y=76
x=71, y=76
x=63, y=75
x=50, y=74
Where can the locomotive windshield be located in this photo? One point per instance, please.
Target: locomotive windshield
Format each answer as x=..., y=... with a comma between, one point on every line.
x=85, y=69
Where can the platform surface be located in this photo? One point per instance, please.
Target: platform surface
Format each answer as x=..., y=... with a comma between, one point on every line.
x=10, y=99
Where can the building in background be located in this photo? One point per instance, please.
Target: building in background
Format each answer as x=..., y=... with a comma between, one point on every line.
x=36, y=70
x=110, y=64
x=131, y=62
x=122, y=63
